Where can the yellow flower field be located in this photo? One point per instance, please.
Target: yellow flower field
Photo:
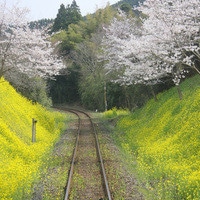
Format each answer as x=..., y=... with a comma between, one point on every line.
x=164, y=138
x=20, y=159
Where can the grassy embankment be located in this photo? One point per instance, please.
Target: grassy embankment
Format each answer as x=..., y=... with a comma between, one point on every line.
x=20, y=159
x=162, y=141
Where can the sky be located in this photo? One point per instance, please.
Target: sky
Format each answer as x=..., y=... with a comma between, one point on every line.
x=40, y=9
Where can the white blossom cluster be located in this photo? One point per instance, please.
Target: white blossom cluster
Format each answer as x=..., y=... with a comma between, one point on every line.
x=28, y=50
x=163, y=42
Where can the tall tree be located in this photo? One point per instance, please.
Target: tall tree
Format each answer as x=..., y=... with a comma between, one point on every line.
x=85, y=55
x=66, y=16
x=60, y=20
x=74, y=13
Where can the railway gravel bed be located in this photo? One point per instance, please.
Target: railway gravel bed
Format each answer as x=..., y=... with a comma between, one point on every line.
x=53, y=177
x=87, y=180
x=122, y=183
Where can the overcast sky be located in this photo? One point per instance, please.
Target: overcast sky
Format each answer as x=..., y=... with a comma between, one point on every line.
x=40, y=9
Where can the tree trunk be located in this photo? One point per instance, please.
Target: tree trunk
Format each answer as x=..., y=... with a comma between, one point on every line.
x=127, y=100
x=196, y=69
x=153, y=93
x=105, y=97
x=179, y=92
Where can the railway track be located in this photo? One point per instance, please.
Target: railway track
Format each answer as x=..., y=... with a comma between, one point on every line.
x=87, y=178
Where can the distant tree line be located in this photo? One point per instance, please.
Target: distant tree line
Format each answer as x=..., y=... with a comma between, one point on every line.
x=41, y=24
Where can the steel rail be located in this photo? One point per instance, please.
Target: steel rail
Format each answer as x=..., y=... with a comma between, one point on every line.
x=73, y=158
x=100, y=159
x=107, y=190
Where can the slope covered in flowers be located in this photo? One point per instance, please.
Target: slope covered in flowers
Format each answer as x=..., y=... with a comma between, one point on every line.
x=20, y=159
x=164, y=140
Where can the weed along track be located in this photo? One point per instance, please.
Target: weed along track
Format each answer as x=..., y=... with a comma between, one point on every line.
x=87, y=177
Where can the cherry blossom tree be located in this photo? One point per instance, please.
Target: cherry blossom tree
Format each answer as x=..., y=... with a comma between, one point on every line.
x=126, y=53
x=24, y=49
x=166, y=42
x=174, y=30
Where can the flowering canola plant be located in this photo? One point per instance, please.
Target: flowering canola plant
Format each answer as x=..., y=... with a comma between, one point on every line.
x=20, y=159
x=114, y=112
x=164, y=139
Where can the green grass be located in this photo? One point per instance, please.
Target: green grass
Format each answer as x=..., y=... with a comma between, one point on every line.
x=164, y=139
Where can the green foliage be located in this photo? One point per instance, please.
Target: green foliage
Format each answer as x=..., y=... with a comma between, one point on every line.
x=104, y=16
x=38, y=92
x=66, y=16
x=68, y=39
x=59, y=36
x=35, y=88
x=126, y=7
x=163, y=137
x=74, y=35
x=60, y=20
x=40, y=24
x=73, y=13
x=82, y=30
x=80, y=46
x=64, y=89
x=129, y=2
x=91, y=90
x=20, y=159
x=131, y=97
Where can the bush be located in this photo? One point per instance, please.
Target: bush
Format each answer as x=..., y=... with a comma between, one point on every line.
x=35, y=88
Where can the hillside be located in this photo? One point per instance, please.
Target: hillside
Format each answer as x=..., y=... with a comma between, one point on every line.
x=164, y=140
x=20, y=159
